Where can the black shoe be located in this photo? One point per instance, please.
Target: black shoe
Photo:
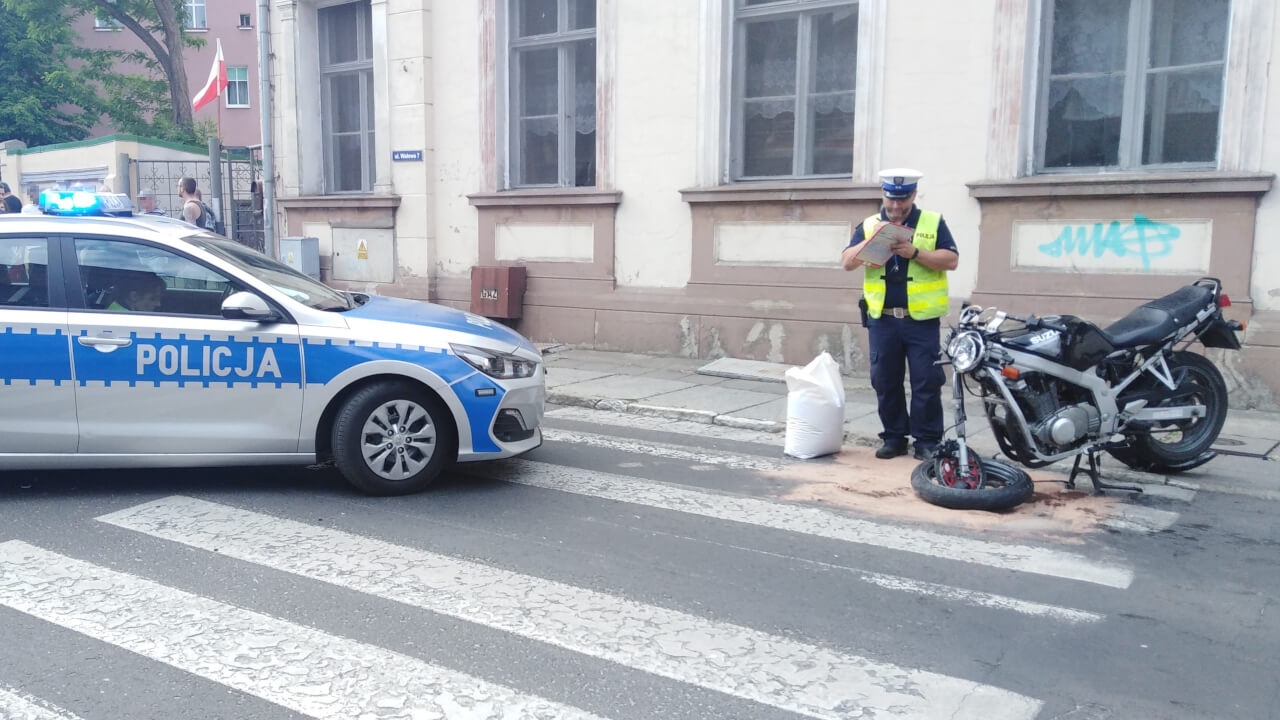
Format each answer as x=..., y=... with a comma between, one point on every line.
x=891, y=449
x=925, y=451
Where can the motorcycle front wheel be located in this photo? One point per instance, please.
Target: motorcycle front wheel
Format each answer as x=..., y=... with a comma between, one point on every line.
x=990, y=484
x=1176, y=445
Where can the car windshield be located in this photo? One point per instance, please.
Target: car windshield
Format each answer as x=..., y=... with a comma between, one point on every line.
x=283, y=278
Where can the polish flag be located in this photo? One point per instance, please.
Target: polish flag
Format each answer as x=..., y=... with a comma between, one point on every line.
x=217, y=82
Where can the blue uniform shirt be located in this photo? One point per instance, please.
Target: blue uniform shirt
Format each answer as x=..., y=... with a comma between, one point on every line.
x=895, y=273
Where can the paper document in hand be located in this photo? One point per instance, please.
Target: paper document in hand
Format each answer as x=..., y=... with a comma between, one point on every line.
x=879, y=249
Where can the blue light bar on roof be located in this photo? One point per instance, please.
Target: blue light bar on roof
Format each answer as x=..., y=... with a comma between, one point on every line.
x=84, y=202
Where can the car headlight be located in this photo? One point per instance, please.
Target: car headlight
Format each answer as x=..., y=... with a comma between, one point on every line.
x=966, y=350
x=503, y=366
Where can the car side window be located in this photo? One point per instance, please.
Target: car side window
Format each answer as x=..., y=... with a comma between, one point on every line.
x=123, y=276
x=24, y=272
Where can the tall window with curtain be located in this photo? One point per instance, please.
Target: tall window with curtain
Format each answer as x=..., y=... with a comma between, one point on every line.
x=346, y=96
x=237, y=86
x=794, y=69
x=1130, y=84
x=195, y=13
x=552, y=49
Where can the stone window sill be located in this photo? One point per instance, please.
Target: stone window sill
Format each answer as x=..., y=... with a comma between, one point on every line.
x=543, y=197
x=1110, y=185
x=781, y=192
x=340, y=202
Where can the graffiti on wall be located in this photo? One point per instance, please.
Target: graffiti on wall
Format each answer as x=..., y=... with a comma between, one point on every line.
x=1142, y=245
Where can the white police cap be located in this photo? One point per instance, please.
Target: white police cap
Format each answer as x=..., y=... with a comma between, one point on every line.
x=899, y=182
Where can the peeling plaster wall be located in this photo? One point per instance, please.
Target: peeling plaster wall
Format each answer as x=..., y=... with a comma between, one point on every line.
x=457, y=128
x=409, y=50
x=656, y=140
x=937, y=108
x=1265, y=288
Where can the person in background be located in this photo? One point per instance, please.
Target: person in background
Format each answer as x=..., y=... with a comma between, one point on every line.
x=194, y=210
x=147, y=202
x=12, y=203
x=905, y=301
x=33, y=201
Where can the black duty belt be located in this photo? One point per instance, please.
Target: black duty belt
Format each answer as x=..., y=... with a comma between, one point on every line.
x=897, y=312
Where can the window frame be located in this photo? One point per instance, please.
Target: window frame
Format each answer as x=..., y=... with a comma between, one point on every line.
x=564, y=41
x=106, y=22
x=234, y=82
x=742, y=15
x=362, y=69
x=123, y=244
x=1134, y=105
x=192, y=9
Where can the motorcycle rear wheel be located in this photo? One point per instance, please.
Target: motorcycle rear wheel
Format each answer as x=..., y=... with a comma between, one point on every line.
x=1173, y=447
x=991, y=484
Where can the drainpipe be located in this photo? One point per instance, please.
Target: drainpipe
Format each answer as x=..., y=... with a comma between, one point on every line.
x=268, y=152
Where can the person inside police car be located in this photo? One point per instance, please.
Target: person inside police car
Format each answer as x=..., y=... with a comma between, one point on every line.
x=905, y=300
x=141, y=294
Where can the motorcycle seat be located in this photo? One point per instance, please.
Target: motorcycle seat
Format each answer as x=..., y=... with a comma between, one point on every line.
x=1152, y=322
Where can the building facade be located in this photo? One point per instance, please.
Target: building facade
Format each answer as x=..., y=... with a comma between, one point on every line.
x=234, y=22
x=680, y=176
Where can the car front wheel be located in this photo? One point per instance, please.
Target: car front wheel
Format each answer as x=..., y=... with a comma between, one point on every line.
x=392, y=439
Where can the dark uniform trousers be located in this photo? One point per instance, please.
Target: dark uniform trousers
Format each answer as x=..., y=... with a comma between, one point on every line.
x=898, y=345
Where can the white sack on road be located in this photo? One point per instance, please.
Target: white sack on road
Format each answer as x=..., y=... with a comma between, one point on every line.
x=815, y=409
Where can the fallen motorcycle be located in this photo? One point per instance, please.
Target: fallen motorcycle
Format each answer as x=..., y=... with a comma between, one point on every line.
x=1059, y=387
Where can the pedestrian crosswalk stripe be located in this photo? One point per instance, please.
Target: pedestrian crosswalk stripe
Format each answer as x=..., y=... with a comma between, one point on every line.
x=297, y=667
x=16, y=706
x=662, y=450
x=816, y=521
x=736, y=660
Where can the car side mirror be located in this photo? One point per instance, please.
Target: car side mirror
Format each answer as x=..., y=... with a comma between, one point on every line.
x=247, y=306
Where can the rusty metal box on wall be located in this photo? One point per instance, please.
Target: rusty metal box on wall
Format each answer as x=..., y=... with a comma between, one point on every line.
x=497, y=291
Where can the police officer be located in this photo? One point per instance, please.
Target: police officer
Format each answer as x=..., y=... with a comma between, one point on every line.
x=905, y=300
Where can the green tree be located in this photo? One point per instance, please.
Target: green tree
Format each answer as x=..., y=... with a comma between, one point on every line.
x=153, y=99
x=42, y=99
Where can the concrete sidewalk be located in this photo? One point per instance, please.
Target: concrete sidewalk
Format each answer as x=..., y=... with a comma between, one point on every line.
x=753, y=395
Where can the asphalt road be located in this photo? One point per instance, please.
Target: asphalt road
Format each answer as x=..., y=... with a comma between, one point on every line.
x=634, y=570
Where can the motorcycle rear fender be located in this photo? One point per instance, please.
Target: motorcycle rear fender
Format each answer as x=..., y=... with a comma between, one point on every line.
x=1220, y=335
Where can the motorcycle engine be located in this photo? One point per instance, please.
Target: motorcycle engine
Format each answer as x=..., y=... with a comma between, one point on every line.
x=1067, y=425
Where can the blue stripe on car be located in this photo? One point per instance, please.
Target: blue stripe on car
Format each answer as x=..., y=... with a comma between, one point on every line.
x=29, y=356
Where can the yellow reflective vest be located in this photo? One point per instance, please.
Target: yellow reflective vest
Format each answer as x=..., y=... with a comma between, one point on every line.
x=927, y=293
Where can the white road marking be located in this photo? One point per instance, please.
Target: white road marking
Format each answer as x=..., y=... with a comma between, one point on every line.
x=946, y=593
x=816, y=521
x=294, y=666
x=683, y=427
x=980, y=599
x=1136, y=518
x=736, y=660
x=663, y=450
x=18, y=706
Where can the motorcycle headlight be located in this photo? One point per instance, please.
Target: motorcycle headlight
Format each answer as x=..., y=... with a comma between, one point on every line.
x=966, y=351
x=503, y=366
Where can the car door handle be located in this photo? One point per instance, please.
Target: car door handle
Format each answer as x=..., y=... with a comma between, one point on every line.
x=88, y=341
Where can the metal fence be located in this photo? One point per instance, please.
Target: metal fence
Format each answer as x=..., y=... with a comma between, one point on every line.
x=240, y=203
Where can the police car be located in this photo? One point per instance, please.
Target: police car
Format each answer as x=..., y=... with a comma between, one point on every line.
x=142, y=341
